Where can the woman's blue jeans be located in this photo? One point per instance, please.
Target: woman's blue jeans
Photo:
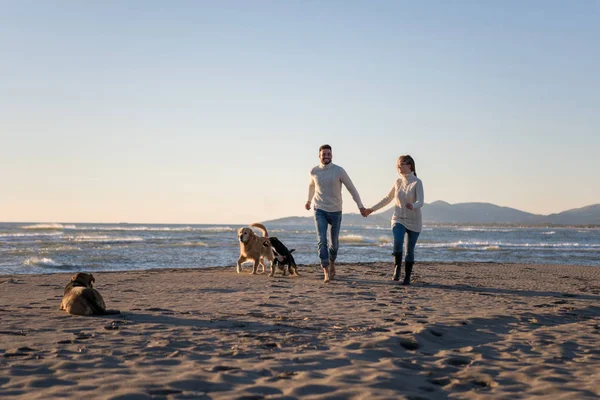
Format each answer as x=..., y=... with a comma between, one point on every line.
x=399, y=231
x=324, y=219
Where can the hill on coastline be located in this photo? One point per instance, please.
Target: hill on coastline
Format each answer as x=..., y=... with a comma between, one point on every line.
x=441, y=212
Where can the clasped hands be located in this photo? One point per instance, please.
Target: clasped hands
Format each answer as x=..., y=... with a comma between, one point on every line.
x=365, y=212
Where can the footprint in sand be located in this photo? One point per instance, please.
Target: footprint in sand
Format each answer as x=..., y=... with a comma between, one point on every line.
x=163, y=392
x=459, y=361
x=50, y=382
x=222, y=368
x=409, y=344
x=19, y=352
x=312, y=390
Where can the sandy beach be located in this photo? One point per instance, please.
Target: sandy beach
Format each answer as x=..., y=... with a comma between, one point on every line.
x=462, y=330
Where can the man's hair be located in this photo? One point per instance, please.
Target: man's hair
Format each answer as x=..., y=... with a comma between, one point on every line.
x=324, y=147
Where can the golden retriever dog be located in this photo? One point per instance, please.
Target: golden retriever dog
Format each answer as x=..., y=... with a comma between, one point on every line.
x=255, y=248
x=80, y=298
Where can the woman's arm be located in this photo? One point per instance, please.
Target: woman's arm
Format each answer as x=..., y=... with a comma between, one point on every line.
x=386, y=200
x=420, y=196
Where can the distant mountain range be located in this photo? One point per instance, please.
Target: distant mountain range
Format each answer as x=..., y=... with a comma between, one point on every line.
x=440, y=212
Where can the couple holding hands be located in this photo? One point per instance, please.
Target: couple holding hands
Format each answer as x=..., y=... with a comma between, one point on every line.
x=325, y=188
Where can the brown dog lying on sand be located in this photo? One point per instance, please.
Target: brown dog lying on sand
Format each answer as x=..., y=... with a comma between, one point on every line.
x=255, y=248
x=80, y=298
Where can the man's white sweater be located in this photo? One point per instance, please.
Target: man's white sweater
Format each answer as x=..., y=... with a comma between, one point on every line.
x=326, y=187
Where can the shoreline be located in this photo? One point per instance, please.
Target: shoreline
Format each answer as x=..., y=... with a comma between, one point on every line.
x=315, y=266
x=462, y=330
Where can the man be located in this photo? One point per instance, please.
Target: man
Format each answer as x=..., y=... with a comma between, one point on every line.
x=325, y=185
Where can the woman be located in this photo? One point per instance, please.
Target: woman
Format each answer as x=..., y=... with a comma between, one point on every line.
x=408, y=195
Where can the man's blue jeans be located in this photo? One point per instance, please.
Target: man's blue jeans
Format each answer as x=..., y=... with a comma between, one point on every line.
x=399, y=231
x=322, y=221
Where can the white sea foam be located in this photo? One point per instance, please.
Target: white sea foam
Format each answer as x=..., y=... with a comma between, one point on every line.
x=30, y=234
x=352, y=239
x=106, y=239
x=48, y=227
x=40, y=262
x=127, y=228
x=486, y=245
x=482, y=229
x=185, y=244
x=385, y=239
x=62, y=248
x=492, y=248
x=549, y=233
x=216, y=229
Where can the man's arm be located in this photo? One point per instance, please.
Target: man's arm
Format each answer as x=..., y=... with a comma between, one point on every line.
x=352, y=189
x=311, y=192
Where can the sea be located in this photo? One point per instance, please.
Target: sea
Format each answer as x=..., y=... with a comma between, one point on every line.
x=42, y=248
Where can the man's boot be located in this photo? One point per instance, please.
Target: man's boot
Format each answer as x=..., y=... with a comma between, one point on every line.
x=397, y=266
x=409, y=268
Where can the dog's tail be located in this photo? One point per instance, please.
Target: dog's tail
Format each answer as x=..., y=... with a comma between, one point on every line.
x=261, y=227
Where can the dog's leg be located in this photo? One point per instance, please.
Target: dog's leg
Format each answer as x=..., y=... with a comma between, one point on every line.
x=255, y=266
x=239, y=263
x=277, y=264
x=293, y=266
x=272, y=266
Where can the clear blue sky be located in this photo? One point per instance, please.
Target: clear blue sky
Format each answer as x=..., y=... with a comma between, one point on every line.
x=213, y=111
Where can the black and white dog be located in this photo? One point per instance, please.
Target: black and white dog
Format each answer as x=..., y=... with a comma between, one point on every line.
x=283, y=257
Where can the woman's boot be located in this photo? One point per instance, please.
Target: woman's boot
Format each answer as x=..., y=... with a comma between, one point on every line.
x=397, y=266
x=409, y=267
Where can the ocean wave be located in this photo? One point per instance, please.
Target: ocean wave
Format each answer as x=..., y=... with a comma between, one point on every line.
x=61, y=247
x=549, y=233
x=385, y=239
x=492, y=248
x=352, y=239
x=9, y=235
x=185, y=244
x=483, y=229
x=377, y=228
x=215, y=229
x=460, y=249
x=558, y=245
x=106, y=239
x=45, y=262
x=486, y=245
x=48, y=227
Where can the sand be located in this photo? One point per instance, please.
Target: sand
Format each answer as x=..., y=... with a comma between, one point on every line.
x=462, y=330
